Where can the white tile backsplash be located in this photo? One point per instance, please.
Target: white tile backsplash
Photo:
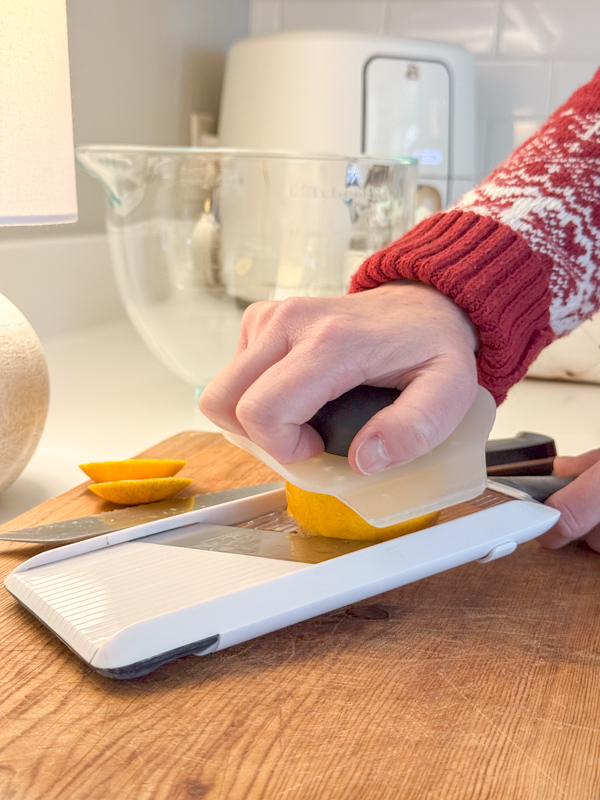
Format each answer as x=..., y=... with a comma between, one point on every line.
x=564, y=28
x=567, y=75
x=471, y=23
x=501, y=136
x=367, y=16
x=525, y=28
x=530, y=55
x=265, y=17
x=513, y=89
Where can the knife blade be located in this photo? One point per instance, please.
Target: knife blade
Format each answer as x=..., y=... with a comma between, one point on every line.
x=529, y=487
x=72, y=530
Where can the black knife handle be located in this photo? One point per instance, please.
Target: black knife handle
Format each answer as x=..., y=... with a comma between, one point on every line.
x=524, y=454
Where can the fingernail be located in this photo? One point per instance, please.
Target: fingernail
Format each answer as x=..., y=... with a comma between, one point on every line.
x=371, y=456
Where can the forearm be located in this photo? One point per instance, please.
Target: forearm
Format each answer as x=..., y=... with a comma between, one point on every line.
x=520, y=253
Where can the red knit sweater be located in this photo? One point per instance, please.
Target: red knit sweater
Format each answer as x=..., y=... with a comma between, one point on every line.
x=520, y=253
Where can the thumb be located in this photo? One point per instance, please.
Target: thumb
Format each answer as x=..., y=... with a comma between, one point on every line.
x=425, y=414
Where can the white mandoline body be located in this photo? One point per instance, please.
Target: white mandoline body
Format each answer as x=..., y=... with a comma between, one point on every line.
x=119, y=602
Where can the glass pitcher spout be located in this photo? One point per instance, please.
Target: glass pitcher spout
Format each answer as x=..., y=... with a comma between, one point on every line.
x=123, y=173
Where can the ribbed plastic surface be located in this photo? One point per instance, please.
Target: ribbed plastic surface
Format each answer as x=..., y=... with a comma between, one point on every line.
x=89, y=598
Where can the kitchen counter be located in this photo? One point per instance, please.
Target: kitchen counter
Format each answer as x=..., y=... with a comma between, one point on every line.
x=111, y=398
x=481, y=681
x=478, y=682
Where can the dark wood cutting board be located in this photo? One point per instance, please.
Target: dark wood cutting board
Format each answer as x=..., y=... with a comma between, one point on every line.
x=481, y=682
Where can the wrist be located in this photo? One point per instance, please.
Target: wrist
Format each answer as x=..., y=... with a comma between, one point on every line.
x=452, y=322
x=490, y=272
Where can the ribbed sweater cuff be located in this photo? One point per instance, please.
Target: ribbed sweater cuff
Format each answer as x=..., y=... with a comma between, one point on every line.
x=491, y=273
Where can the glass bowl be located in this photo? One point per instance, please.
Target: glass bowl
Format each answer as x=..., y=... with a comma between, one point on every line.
x=197, y=234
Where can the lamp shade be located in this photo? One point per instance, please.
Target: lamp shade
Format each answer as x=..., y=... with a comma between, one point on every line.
x=37, y=167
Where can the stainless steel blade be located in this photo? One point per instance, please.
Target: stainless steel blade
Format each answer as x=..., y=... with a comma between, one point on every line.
x=72, y=530
x=280, y=544
x=255, y=536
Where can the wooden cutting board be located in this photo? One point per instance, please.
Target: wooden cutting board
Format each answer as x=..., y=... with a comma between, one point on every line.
x=481, y=682
x=212, y=463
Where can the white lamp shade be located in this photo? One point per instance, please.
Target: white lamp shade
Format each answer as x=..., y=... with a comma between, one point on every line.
x=37, y=167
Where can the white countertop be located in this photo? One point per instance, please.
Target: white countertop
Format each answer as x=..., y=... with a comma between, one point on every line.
x=110, y=399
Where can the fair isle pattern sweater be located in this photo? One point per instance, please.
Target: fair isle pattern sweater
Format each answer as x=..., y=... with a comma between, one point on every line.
x=520, y=253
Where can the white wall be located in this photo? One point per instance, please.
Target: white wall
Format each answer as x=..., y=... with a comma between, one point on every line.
x=529, y=54
x=138, y=68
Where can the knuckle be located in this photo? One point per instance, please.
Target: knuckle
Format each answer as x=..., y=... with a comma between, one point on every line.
x=256, y=315
x=290, y=309
x=253, y=414
x=255, y=310
x=567, y=529
x=282, y=319
x=306, y=316
x=327, y=329
x=213, y=402
x=422, y=435
x=329, y=333
x=426, y=427
x=405, y=442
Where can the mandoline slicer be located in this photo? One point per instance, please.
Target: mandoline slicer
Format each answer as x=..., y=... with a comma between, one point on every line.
x=451, y=473
x=129, y=601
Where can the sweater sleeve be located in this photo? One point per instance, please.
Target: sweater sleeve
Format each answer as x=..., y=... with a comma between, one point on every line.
x=520, y=253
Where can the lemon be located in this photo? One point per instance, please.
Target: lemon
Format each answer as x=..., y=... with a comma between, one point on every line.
x=132, y=469
x=144, y=490
x=324, y=515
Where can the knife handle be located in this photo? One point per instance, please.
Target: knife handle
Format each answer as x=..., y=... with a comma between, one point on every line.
x=524, y=454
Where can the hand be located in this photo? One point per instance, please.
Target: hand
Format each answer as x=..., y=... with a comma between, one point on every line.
x=579, y=502
x=295, y=355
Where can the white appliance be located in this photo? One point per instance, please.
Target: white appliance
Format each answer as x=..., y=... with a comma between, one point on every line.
x=348, y=93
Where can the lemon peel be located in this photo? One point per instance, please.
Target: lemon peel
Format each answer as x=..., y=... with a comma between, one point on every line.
x=324, y=515
x=132, y=469
x=144, y=490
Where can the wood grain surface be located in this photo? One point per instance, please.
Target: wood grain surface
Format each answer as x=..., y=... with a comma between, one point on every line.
x=481, y=682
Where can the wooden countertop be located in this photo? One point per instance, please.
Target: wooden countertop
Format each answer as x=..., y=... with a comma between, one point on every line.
x=481, y=682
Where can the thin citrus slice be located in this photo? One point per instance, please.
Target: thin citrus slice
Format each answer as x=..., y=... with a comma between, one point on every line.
x=146, y=490
x=132, y=469
x=325, y=515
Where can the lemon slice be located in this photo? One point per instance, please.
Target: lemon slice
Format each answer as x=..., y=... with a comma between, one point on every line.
x=132, y=469
x=325, y=515
x=145, y=490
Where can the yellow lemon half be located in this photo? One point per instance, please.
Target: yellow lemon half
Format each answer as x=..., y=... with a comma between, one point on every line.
x=132, y=469
x=325, y=515
x=146, y=490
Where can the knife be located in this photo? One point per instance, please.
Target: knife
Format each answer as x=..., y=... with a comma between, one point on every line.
x=71, y=530
x=508, y=458
x=529, y=487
